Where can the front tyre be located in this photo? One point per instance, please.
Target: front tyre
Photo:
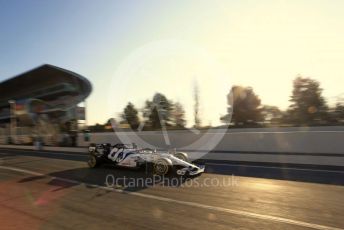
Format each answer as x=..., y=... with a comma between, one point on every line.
x=182, y=156
x=93, y=161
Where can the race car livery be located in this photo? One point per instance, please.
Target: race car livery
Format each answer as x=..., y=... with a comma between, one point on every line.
x=130, y=156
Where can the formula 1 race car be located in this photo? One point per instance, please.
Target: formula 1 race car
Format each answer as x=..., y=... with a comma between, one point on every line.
x=130, y=156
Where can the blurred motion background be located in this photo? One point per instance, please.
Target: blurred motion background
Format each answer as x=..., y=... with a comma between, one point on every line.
x=277, y=64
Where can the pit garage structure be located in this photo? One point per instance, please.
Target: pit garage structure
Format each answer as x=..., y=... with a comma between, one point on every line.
x=41, y=103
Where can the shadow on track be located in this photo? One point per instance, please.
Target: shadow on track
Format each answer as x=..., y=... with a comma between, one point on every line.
x=45, y=154
x=124, y=179
x=322, y=176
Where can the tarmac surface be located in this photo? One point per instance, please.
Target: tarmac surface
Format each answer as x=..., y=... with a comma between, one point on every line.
x=49, y=190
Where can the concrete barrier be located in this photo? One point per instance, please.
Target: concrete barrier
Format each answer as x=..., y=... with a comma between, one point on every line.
x=305, y=145
x=281, y=140
x=323, y=146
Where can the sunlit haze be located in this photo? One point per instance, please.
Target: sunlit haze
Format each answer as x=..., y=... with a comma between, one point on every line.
x=130, y=50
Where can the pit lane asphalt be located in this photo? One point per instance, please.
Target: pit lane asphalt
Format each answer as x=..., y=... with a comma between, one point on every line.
x=45, y=190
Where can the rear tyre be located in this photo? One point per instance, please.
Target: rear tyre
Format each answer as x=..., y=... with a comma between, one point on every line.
x=93, y=161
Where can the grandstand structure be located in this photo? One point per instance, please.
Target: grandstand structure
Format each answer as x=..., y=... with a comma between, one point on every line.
x=41, y=103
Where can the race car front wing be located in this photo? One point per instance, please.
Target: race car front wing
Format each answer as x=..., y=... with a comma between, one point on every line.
x=191, y=171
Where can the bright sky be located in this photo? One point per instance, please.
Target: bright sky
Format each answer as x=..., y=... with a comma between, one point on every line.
x=131, y=49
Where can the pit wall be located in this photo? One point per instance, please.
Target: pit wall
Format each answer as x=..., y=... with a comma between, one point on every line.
x=319, y=146
x=272, y=140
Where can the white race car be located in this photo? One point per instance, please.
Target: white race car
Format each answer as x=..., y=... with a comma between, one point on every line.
x=130, y=156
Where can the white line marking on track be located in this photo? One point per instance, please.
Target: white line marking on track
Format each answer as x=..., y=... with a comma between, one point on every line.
x=187, y=203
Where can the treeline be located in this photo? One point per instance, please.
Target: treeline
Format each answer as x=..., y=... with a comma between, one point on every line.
x=307, y=108
x=158, y=113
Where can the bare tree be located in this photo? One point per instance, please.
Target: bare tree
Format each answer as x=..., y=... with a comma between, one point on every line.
x=196, y=106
